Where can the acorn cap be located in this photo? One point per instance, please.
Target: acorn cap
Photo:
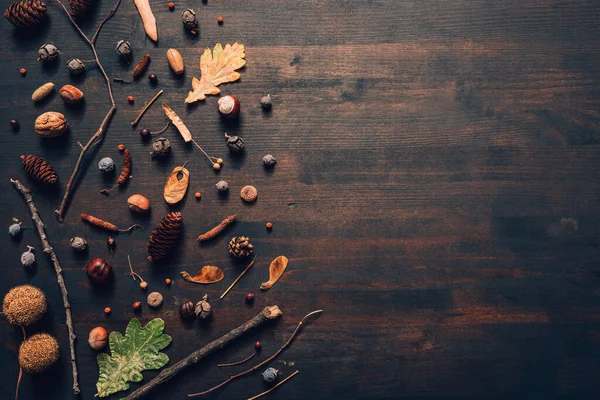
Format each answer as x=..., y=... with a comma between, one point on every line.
x=38, y=353
x=24, y=305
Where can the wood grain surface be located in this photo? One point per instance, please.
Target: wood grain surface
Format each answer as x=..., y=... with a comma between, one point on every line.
x=437, y=194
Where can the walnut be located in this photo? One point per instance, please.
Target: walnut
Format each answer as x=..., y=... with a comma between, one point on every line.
x=51, y=124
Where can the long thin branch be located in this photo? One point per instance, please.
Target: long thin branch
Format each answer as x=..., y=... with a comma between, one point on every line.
x=268, y=360
x=267, y=314
x=35, y=216
x=274, y=387
x=99, y=135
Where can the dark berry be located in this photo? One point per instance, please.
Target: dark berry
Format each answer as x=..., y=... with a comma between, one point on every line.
x=15, y=124
x=153, y=78
x=145, y=132
x=257, y=346
x=249, y=298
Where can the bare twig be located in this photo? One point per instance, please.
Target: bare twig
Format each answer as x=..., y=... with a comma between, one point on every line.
x=267, y=314
x=268, y=360
x=35, y=216
x=238, y=278
x=20, y=368
x=237, y=362
x=99, y=135
x=274, y=387
x=146, y=107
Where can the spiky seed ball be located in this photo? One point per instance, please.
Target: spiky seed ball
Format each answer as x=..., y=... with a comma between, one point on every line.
x=24, y=305
x=38, y=353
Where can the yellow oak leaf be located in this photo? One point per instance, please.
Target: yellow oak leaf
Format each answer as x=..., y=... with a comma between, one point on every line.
x=216, y=67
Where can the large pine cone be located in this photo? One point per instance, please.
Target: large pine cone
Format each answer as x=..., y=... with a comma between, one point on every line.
x=25, y=13
x=240, y=247
x=39, y=169
x=165, y=237
x=81, y=7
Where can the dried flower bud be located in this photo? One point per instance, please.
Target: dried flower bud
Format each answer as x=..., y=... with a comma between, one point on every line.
x=75, y=66
x=78, y=243
x=161, y=147
x=269, y=161
x=14, y=229
x=190, y=21
x=106, y=164
x=222, y=186
x=203, y=309
x=97, y=338
x=123, y=49
x=48, y=52
x=270, y=375
x=235, y=143
x=265, y=102
x=28, y=258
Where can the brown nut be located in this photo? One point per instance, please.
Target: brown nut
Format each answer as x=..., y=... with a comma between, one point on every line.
x=138, y=203
x=71, y=95
x=187, y=310
x=98, y=338
x=99, y=270
x=175, y=61
x=229, y=106
x=51, y=124
x=155, y=299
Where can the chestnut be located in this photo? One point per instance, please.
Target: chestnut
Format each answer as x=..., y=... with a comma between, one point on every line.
x=99, y=270
x=187, y=310
x=229, y=106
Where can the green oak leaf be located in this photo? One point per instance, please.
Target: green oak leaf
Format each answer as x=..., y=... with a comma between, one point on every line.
x=131, y=354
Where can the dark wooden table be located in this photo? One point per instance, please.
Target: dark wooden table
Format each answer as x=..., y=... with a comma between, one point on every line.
x=437, y=194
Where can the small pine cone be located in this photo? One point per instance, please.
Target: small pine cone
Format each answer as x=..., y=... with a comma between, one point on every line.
x=25, y=14
x=164, y=238
x=39, y=169
x=81, y=7
x=240, y=247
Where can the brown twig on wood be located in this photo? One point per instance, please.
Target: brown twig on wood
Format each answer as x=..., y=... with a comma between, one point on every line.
x=238, y=362
x=268, y=360
x=237, y=279
x=20, y=368
x=35, y=216
x=274, y=387
x=267, y=314
x=146, y=107
x=99, y=135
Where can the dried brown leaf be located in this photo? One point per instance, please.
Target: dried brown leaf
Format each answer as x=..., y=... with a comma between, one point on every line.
x=217, y=67
x=276, y=269
x=176, y=185
x=208, y=274
x=172, y=115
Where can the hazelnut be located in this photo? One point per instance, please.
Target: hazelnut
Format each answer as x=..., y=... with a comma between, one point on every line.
x=99, y=270
x=187, y=310
x=51, y=124
x=138, y=203
x=98, y=338
x=229, y=106
x=71, y=95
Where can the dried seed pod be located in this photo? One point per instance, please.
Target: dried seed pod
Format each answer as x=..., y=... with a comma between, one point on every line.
x=203, y=308
x=155, y=299
x=276, y=269
x=48, y=52
x=125, y=172
x=14, y=229
x=175, y=61
x=248, y=194
x=78, y=243
x=106, y=164
x=222, y=187
x=39, y=169
x=161, y=147
x=80, y=8
x=265, y=102
x=24, y=305
x=38, y=352
x=207, y=275
x=235, y=143
x=176, y=120
x=270, y=375
x=269, y=161
x=165, y=237
x=229, y=106
x=43, y=91
x=75, y=66
x=71, y=95
x=28, y=258
x=25, y=14
x=51, y=124
x=123, y=49
x=138, y=203
x=218, y=229
x=90, y=219
x=190, y=21
x=177, y=185
x=240, y=247
x=139, y=69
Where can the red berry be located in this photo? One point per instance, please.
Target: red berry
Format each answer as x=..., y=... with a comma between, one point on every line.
x=220, y=20
x=23, y=71
x=249, y=298
x=145, y=132
x=257, y=346
x=198, y=195
x=171, y=6
x=107, y=310
x=130, y=99
x=137, y=306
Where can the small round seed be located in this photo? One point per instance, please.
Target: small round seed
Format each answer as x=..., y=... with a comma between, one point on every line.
x=248, y=194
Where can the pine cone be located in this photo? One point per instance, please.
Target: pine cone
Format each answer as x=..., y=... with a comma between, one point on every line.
x=39, y=169
x=164, y=238
x=25, y=13
x=240, y=247
x=81, y=7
